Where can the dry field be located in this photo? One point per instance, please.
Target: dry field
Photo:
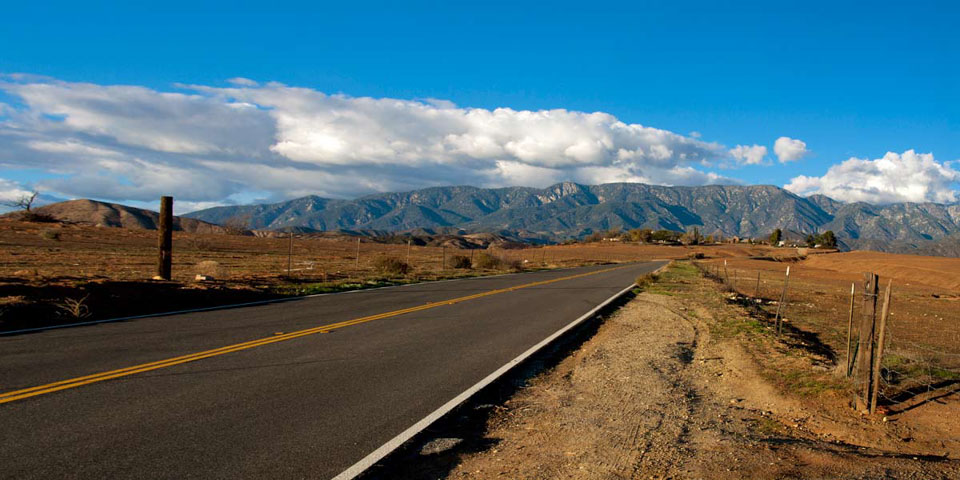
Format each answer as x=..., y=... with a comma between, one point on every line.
x=46, y=268
x=922, y=357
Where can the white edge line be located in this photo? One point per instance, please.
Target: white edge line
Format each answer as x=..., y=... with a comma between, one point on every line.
x=273, y=300
x=396, y=442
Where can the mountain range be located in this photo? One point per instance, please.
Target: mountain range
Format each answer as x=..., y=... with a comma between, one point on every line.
x=570, y=210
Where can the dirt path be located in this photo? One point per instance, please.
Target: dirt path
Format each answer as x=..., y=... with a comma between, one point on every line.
x=651, y=395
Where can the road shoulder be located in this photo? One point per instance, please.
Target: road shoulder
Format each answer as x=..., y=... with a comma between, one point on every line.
x=663, y=391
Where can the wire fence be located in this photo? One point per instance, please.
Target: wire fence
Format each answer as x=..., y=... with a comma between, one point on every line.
x=918, y=347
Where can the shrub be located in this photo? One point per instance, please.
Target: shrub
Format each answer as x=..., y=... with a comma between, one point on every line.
x=513, y=265
x=391, y=266
x=461, y=261
x=74, y=308
x=645, y=280
x=50, y=235
x=209, y=268
x=487, y=262
x=697, y=255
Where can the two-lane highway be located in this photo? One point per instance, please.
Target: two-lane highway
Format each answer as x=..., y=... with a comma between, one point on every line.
x=297, y=389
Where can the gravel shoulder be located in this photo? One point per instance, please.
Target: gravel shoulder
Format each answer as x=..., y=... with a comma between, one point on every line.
x=661, y=391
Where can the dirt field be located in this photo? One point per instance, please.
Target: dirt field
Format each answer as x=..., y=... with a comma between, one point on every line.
x=922, y=354
x=680, y=383
x=47, y=268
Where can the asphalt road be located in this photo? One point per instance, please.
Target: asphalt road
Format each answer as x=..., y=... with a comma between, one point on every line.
x=305, y=407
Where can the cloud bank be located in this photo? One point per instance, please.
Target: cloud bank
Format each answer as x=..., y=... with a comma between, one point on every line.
x=905, y=177
x=208, y=144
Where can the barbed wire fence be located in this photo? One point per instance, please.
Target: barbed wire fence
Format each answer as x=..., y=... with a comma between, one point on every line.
x=892, y=364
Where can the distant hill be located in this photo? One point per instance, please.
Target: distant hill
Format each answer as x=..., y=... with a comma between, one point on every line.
x=570, y=210
x=92, y=212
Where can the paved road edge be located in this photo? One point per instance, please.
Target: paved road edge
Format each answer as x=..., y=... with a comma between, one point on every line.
x=394, y=443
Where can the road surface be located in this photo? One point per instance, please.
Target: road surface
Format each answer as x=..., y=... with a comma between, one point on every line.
x=297, y=389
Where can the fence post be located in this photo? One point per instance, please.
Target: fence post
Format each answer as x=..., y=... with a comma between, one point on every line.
x=165, y=240
x=471, y=256
x=853, y=291
x=878, y=357
x=864, y=358
x=290, y=254
x=443, y=261
x=358, y=254
x=726, y=275
x=757, y=291
x=409, y=241
x=778, y=322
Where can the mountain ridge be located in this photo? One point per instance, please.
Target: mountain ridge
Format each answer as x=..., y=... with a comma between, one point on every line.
x=571, y=210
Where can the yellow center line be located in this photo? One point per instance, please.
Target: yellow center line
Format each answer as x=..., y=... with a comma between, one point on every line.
x=169, y=362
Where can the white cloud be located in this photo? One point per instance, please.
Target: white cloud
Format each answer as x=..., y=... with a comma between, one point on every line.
x=11, y=191
x=129, y=143
x=906, y=177
x=749, y=155
x=789, y=149
x=242, y=82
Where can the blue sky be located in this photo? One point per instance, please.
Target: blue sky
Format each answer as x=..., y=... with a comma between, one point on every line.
x=848, y=80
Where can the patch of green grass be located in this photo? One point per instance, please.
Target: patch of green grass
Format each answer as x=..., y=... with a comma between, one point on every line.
x=767, y=427
x=808, y=383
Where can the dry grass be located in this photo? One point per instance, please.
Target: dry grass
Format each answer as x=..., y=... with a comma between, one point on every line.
x=924, y=321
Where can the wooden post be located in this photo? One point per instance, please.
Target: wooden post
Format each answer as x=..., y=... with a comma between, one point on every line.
x=864, y=359
x=165, y=240
x=443, y=261
x=757, y=291
x=726, y=274
x=543, y=257
x=409, y=241
x=783, y=297
x=290, y=255
x=358, y=254
x=878, y=357
x=853, y=291
x=471, y=256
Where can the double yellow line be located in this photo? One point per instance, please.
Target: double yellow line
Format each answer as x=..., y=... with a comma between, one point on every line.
x=146, y=367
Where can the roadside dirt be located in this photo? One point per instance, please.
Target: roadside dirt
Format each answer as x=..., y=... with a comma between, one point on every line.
x=657, y=393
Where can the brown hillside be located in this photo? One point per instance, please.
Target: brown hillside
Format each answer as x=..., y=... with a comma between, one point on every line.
x=91, y=212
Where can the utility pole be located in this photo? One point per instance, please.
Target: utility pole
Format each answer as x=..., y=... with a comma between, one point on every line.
x=358, y=254
x=165, y=241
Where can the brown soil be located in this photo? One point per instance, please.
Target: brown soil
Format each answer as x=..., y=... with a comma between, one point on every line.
x=43, y=265
x=676, y=385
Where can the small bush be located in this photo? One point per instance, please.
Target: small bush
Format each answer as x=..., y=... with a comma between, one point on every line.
x=200, y=243
x=74, y=308
x=35, y=217
x=513, y=265
x=645, y=280
x=209, y=268
x=391, y=266
x=50, y=235
x=697, y=255
x=486, y=261
x=461, y=261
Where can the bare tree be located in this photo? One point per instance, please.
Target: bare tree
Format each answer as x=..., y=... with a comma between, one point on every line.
x=25, y=202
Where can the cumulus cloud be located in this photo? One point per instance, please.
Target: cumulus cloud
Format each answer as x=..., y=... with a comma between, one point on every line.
x=789, y=149
x=905, y=177
x=11, y=191
x=749, y=155
x=212, y=144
